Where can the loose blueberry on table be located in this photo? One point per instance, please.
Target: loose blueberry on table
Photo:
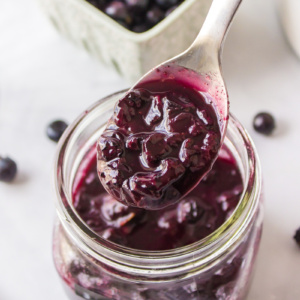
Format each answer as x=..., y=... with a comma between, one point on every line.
x=55, y=130
x=136, y=15
x=158, y=145
x=8, y=169
x=297, y=237
x=264, y=123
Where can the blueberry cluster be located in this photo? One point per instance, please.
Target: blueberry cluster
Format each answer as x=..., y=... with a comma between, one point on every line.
x=136, y=15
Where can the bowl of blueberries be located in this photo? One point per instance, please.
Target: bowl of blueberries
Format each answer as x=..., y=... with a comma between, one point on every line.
x=132, y=36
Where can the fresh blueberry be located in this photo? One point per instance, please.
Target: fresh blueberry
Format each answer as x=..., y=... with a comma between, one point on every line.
x=137, y=5
x=170, y=10
x=154, y=15
x=136, y=15
x=56, y=129
x=97, y=3
x=8, y=169
x=297, y=237
x=166, y=4
x=264, y=123
x=118, y=11
x=138, y=18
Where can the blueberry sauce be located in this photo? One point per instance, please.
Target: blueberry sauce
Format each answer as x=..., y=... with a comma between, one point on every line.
x=158, y=145
x=197, y=215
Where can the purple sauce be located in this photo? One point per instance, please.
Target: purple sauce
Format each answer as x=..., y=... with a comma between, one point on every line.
x=158, y=145
x=197, y=215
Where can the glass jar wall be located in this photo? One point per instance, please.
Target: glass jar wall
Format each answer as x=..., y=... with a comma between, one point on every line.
x=218, y=266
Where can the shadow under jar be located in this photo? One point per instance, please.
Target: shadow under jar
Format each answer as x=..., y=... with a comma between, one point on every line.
x=218, y=266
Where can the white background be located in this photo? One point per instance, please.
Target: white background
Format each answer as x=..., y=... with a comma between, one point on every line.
x=44, y=77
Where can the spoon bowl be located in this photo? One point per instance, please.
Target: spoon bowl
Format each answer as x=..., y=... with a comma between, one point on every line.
x=166, y=132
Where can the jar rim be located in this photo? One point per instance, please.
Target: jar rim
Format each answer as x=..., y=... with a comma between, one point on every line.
x=131, y=260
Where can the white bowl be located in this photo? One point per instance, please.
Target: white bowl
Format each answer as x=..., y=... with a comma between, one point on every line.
x=131, y=54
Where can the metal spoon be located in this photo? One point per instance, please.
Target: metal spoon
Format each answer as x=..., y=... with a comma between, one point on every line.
x=200, y=65
x=198, y=68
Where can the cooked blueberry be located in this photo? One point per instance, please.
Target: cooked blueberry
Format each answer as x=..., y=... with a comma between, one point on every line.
x=228, y=273
x=138, y=97
x=118, y=11
x=166, y=4
x=81, y=270
x=130, y=109
x=297, y=237
x=56, y=129
x=117, y=215
x=76, y=267
x=174, y=139
x=181, y=122
x=152, y=190
x=134, y=142
x=189, y=211
x=154, y=15
x=8, y=169
x=113, y=174
x=109, y=148
x=82, y=202
x=114, y=212
x=154, y=114
x=155, y=148
x=264, y=123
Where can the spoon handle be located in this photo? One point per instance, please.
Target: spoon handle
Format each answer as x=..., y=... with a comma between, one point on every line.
x=204, y=55
x=216, y=24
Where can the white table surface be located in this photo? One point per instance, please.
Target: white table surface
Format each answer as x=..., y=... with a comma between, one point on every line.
x=44, y=77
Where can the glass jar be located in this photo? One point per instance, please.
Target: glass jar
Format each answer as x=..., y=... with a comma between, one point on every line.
x=216, y=267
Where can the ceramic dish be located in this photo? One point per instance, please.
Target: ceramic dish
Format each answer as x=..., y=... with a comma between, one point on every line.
x=131, y=54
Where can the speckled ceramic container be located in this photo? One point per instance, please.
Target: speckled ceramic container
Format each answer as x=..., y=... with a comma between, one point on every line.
x=131, y=54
